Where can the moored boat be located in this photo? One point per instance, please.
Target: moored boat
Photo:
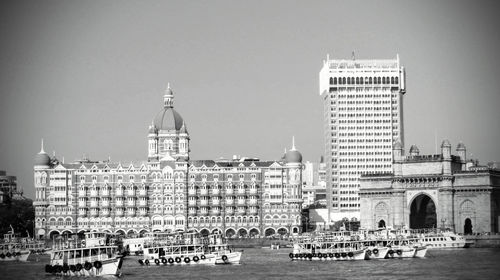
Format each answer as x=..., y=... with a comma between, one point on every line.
x=13, y=249
x=96, y=255
x=219, y=248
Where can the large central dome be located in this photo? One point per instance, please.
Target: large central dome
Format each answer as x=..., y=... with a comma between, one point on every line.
x=168, y=119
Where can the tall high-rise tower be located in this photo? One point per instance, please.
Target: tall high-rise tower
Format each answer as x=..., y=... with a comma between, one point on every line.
x=363, y=117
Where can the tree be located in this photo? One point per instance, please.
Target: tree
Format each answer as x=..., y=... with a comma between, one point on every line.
x=18, y=213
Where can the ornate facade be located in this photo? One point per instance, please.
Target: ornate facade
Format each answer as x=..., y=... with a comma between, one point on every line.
x=432, y=191
x=169, y=192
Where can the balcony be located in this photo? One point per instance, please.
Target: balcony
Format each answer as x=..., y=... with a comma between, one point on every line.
x=143, y=202
x=130, y=203
x=143, y=192
x=215, y=192
x=105, y=203
x=82, y=193
x=119, y=192
x=94, y=203
x=215, y=202
x=192, y=203
x=229, y=202
x=191, y=191
x=203, y=192
x=130, y=193
x=94, y=193
x=241, y=202
x=105, y=193
x=241, y=191
x=119, y=202
x=229, y=191
x=94, y=212
x=252, y=191
x=204, y=202
x=81, y=203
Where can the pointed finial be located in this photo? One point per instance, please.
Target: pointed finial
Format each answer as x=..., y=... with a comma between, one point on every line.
x=168, y=85
x=53, y=153
x=353, y=56
x=41, y=150
x=293, y=143
x=63, y=160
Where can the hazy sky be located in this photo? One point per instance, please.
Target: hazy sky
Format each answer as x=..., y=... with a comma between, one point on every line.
x=89, y=76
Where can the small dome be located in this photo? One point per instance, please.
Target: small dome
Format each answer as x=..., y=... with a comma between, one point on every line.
x=445, y=143
x=414, y=149
x=293, y=156
x=397, y=146
x=168, y=119
x=460, y=146
x=42, y=159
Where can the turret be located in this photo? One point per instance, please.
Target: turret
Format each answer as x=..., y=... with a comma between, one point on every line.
x=397, y=154
x=462, y=153
x=414, y=151
x=446, y=154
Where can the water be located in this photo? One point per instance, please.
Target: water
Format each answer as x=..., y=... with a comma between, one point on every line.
x=472, y=263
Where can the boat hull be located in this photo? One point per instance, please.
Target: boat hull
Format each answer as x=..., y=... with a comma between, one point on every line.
x=180, y=260
x=20, y=256
x=228, y=258
x=332, y=256
x=398, y=253
x=109, y=267
x=420, y=252
x=377, y=252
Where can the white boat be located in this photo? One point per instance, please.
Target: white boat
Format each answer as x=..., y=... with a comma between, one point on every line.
x=442, y=240
x=220, y=249
x=325, y=248
x=376, y=252
x=420, y=251
x=96, y=255
x=177, y=249
x=12, y=249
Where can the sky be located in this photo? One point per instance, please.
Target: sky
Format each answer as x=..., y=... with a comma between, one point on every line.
x=89, y=76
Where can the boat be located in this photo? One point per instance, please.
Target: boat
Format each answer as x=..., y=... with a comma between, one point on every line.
x=177, y=249
x=442, y=240
x=275, y=246
x=327, y=248
x=218, y=247
x=13, y=249
x=95, y=255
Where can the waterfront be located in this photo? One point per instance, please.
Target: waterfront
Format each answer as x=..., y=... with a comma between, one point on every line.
x=472, y=263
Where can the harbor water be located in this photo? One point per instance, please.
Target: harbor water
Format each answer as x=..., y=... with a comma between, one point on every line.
x=471, y=263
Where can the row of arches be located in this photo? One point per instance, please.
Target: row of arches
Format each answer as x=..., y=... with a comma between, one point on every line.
x=423, y=214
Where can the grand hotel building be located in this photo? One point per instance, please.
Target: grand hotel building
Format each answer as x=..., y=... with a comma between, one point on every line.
x=363, y=117
x=169, y=192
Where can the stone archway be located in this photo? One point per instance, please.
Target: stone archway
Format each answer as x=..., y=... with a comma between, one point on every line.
x=269, y=232
x=423, y=212
x=381, y=224
x=204, y=232
x=230, y=233
x=467, y=226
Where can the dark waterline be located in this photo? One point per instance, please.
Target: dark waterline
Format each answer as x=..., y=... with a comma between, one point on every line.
x=472, y=263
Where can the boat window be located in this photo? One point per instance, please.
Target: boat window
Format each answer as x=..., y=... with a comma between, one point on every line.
x=94, y=252
x=86, y=253
x=453, y=238
x=71, y=254
x=78, y=254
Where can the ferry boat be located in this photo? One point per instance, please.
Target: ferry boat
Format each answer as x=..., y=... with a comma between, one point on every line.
x=96, y=255
x=327, y=248
x=443, y=240
x=177, y=249
x=12, y=249
x=219, y=248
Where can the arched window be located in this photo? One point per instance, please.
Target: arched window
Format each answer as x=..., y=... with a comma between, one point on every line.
x=383, y=80
x=392, y=80
x=331, y=81
x=370, y=80
x=361, y=80
x=396, y=80
x=343, y=80
x=357, y=80
x=335, y=80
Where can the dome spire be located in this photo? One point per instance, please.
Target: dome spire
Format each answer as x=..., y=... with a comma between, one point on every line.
x=168, y=98
x=293, y=144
